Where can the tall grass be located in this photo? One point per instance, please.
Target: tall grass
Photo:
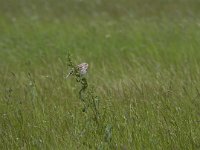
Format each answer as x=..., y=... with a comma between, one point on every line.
x=144, y=75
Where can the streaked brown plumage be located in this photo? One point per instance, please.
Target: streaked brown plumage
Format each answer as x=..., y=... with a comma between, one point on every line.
x=82, y=69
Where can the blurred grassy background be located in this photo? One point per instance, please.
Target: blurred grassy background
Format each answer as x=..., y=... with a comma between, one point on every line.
x=144, y=62
x=64, y=9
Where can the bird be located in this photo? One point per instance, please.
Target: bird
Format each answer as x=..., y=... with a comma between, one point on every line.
x=82, y=69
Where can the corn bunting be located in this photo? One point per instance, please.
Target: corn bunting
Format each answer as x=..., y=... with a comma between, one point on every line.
x=82, y=68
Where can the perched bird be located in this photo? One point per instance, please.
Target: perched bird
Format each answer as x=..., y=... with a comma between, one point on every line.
x=82, y=68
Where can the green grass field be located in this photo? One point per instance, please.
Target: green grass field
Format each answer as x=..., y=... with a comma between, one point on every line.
x=144, y=59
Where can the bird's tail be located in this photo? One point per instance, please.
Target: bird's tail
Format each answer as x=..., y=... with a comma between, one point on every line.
x=70, y=73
